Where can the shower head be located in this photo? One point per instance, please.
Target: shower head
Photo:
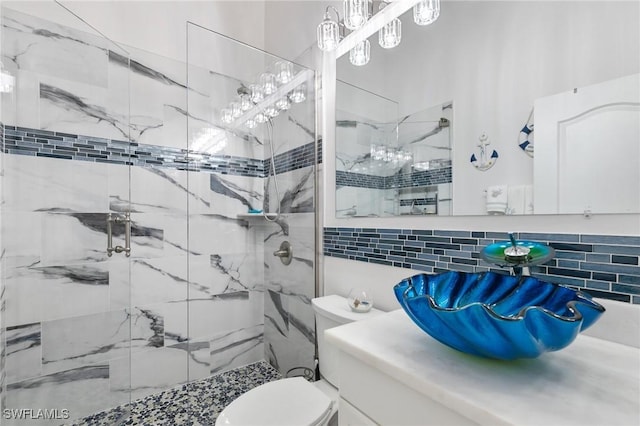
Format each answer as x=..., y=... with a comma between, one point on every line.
x=442, y=123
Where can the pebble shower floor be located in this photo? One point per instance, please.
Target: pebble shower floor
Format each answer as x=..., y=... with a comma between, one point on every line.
x=197, y=403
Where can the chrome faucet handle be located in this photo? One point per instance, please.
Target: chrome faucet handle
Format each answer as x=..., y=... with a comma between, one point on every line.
x=516, y=252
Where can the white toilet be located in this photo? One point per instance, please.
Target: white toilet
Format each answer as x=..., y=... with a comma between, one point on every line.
x=295, y=401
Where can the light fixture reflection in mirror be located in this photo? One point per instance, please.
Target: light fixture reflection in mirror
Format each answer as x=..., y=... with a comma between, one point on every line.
x=261, y=118
x=284, y=72
x=7, y=81
x=245, y=102
x=226, y=116
x=361, y=53
x=256, y=93
x=298, y=94
x=236, y=110
x=283, y=103
x=250, y=123
x=268, y=83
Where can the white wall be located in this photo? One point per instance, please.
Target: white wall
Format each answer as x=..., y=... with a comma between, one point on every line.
x=157, y=26
x=290, y=27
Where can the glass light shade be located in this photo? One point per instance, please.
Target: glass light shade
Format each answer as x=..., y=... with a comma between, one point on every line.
x=356, y=13
x=271, y=111
x=7, y=82
x=226, y=116
x=283, y=104
x=257, y=94
x=245, y=102
x=379, y=152
x=260, y=117
x=426, y=12
x=299, y=94
x=284, y=72
x=390, y=35
x=361, y=53
x=268, y=83
x=250, y=123
x=328, y=34
x=236, y=111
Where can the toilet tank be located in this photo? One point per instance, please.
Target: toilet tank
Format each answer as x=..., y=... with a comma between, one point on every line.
x=332, y=311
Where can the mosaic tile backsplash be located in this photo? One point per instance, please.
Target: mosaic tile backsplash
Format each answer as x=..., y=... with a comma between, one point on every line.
x=66, y=146
x=605, y=266
x=399, y=180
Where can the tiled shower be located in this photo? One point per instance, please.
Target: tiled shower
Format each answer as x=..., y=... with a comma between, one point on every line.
x=92, y=128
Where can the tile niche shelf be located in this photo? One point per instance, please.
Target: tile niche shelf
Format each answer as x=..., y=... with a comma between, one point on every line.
x=256, y=216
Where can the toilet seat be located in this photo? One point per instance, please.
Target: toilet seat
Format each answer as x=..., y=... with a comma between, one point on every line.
x=292, y=401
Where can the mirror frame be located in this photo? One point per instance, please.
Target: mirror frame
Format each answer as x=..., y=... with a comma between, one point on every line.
x=609, y=224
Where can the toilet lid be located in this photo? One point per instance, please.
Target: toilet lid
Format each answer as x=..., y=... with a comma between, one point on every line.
x=292, y=401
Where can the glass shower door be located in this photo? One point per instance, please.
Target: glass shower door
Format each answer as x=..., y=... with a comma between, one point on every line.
x=252, y=149
x=67, y=239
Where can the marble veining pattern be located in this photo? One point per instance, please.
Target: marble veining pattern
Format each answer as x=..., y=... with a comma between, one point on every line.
x=23, y=352
x=190, y=298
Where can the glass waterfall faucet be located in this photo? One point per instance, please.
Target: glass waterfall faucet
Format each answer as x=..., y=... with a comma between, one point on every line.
x=517, y=255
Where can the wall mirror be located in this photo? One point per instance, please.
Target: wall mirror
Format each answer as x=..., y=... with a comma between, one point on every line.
x=496, y=108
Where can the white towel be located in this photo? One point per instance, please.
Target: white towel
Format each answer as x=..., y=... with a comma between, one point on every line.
x=528, y=199
x=497, y=199
x=515, y=199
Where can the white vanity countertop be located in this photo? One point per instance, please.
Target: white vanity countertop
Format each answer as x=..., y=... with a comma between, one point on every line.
x=590, y=382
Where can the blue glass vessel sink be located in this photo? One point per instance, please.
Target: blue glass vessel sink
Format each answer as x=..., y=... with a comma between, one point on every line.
x=494, y=315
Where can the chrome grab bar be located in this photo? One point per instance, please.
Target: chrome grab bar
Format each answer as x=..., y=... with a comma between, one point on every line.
x=109, y=235
x=126, y=219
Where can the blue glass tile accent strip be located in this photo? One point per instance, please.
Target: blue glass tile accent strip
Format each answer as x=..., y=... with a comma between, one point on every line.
x=359, y=180
x=421, y=178
x=297, y=158
x=417, y=202
x=407, y=180
x=586, y=266
x=45, y=143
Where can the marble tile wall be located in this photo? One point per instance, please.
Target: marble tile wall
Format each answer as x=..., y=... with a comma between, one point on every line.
x=202, y=292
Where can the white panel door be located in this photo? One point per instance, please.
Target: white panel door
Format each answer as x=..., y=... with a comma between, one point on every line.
x=587, y=149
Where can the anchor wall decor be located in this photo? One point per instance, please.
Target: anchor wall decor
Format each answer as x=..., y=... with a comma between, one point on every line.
x=484, y=163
